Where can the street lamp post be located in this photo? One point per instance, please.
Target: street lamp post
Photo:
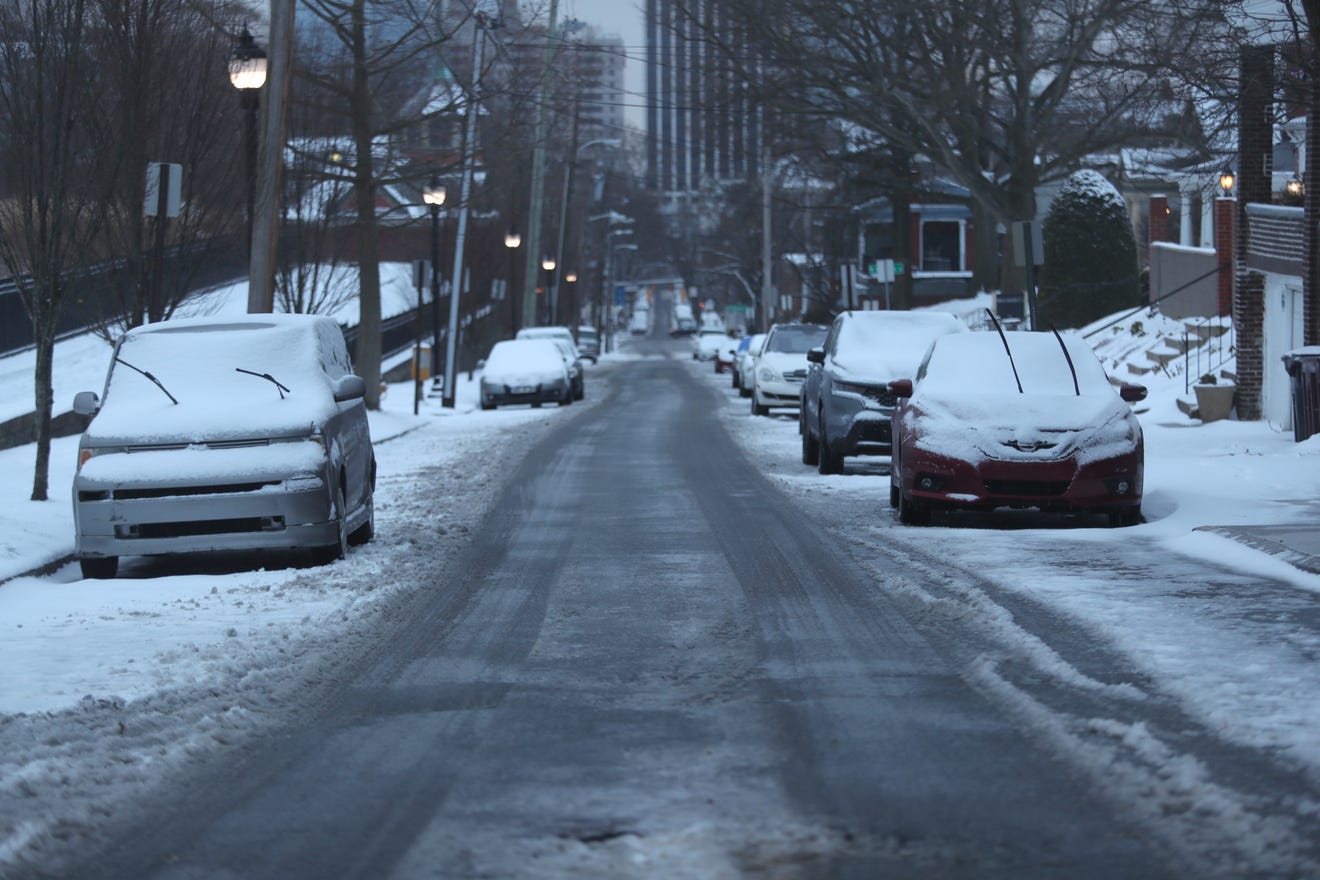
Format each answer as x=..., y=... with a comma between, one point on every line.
x=247, y=72
x=563, y=207
x=434, y=196
x=512, y=239
x=548, y=264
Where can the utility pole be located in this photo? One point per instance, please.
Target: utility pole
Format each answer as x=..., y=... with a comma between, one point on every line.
x=270, y=167
x=563, y=219
x=532, y=258
x=464, y=196
x=767, y=265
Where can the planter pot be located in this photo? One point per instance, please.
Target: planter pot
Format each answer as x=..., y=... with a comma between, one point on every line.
x=1214, y=402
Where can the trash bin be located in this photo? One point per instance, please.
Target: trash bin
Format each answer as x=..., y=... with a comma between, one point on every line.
x=1303, y=366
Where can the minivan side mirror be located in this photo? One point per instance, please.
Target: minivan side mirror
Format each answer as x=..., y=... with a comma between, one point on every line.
x=816, y=355
x=86, y=403
x=901, y=387
x=349, y=388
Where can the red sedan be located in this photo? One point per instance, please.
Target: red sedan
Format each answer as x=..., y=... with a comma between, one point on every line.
x=1015, y=420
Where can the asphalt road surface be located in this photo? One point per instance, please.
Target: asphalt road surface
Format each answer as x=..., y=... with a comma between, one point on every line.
x=653, y=664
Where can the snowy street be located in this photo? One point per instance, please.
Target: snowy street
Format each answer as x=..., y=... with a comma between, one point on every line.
x=637, y=637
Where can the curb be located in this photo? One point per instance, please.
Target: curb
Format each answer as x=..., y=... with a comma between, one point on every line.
x=1274, y=541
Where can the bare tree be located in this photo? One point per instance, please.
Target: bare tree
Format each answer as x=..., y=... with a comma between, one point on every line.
x=999, y=94
x=164, y=64
x=47, y=89
x=359, y=78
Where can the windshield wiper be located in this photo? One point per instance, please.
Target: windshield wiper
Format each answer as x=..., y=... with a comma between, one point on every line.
x=1077, y=388
x=268, y=377
x=1004, y=339
x=149, y=376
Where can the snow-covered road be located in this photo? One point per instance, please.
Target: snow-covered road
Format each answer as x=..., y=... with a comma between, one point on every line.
x=1177, y=669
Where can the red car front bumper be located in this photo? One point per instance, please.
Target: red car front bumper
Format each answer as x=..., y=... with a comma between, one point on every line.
x=1103, y=485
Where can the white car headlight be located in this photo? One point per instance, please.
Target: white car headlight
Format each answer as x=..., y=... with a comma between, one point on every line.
x=769, y=375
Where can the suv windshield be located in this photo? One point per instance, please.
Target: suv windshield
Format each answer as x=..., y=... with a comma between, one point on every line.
x=796, y=340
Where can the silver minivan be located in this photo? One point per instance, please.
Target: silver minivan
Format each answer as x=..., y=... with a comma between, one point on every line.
x=212, y=434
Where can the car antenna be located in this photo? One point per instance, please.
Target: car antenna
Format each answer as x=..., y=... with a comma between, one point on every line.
x=1077, y=388
x=149, y=376
x=1004, y=339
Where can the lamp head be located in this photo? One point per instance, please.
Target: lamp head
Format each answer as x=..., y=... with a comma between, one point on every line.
x=434, y=193
x=247, y=63
x=1226, y=180
x=512, y=238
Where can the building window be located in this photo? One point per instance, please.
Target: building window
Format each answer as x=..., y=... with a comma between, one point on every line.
x=941, y=246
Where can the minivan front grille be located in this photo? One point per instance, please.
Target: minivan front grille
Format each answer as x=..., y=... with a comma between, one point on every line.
x=186, y=491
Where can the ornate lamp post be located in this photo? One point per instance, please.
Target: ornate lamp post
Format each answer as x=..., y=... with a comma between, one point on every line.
x=434, y=196
x=247, y=72
x=512, y=240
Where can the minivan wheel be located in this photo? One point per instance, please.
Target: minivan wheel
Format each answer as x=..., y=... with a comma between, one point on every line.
x=99, y=567
x=338, y=550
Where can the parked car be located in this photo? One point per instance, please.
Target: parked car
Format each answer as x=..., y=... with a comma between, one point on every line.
x=1019, y=419
x=725, y=352
x=846, y=403
x=588, y=343
x=245, y=433
x=746, y=363
x=782, y=365
x=706, y=343
x=546, y=333
x=531, y=371
x=573, y=361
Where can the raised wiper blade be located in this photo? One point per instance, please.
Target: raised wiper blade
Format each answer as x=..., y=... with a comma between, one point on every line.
x=268, y=377
x=1077, y=388
x=149, y=376
x=1004, y=339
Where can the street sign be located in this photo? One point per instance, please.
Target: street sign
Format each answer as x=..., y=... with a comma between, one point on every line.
x=173, y=189
x=882, y=271
x=1026, y=233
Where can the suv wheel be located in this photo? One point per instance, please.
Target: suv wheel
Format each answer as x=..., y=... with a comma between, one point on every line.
x=826, y=461
x=810, y=447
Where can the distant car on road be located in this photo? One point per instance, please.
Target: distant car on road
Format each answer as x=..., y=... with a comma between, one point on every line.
x=745, y=364
x=1024, y=419
x=531, y=371
x=782, y=366
x=243, y=433
x=588, y=343
x=846, y=403
x=706, y=343
x=640, y=324
x=725, y=353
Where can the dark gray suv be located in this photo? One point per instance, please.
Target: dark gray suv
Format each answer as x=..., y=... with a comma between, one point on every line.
x=846, y=404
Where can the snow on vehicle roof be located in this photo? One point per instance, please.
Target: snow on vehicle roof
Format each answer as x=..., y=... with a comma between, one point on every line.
x=523, y=356
x=198, y=361
x=889, y=345
x=545, y=333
